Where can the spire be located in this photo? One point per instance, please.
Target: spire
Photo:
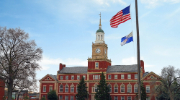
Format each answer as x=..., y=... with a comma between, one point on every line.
x=100, y=21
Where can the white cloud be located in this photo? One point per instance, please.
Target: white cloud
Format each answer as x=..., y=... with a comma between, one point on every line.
x=154, y=3
x=133, y=60
x=46, y=62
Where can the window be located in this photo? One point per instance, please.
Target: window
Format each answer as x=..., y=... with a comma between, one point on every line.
x=122, y=76
x=95, y=88
x=77, y=88
x=98, y=37
x=61, y=77
x=44, y=88
x=115, y=98
x=135, y=88
x=129, y=76
x=110, y=89
x=78, y=77
x=96, y=76
x=84, y=77
x=147, y=89
x=50, y=88
x=66, y=97
x=72, y=97
x=128, y=98
x=122, y=88
x=116, y=88
x=66, y=88
x=72, y=77
x=122, y=98
x=148, y=98
x=115, y=77
x=101, y=37
x=97, y=65
x=109, y=76
x=136, y=76
x=72, y=88
x=44, y=96
x=67, y=77
x=61, y=88
x=60, y=97
x=129, y=88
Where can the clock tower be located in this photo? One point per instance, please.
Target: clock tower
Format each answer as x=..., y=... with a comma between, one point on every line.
x=99, y=58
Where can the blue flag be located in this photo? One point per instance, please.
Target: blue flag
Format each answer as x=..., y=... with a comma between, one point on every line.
x=127, y=39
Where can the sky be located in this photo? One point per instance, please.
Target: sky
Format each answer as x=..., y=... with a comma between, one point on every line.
x=65, y=30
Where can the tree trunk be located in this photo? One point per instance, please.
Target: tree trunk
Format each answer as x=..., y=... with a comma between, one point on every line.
x=10, y=86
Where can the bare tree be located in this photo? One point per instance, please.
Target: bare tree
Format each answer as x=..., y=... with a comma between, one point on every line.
x=170, y=85
x=15, y=51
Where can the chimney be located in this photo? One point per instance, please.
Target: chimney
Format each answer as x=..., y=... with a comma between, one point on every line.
x=64, y=65
x=142, y=68
x=60, y=66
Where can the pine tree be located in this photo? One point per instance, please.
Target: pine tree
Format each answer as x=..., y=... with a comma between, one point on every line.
x=143, y=91
x=102, y=90
x=52, y=95
x=82, y=90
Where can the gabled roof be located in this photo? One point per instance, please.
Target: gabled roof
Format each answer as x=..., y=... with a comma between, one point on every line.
x=66, y=70
x=149, y=74
x=52, y=76
x=122, y=68
x=146, y=73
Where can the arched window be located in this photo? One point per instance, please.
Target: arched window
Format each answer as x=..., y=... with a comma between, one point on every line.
x=61, y=88
x=72, y=88
x=98, y=37
x=66, y=88
x=110, y=89
x=101, y=37
x=129, y=88
x=115, y=88
x=135, y=88
x=122, y=88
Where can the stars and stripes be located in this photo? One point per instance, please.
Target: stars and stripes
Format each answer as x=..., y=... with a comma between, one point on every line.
x=121, y=17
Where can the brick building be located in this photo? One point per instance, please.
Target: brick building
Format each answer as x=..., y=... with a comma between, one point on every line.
x=122, y=79
x=2, y=86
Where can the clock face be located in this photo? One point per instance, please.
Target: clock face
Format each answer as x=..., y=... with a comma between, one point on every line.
x=98, y=50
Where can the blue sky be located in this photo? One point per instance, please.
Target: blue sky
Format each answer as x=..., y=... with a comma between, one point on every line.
x=65, y=30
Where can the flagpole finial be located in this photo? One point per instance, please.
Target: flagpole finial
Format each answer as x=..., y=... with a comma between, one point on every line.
x=100, y=21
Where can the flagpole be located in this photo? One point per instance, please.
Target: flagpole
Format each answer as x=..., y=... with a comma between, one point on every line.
x=138, y=52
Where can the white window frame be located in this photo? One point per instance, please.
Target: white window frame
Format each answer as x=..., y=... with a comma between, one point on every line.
x=60, y=97
x=135, y=76
x=115, y=97
x=61, y=88
x=76, y=88
x=61, y=77
x=66, y=88
x=122, y=76
x=147, y=89
x=122, y=88
x=148, y=98
x=44, y=88
x=115, y=88
x=129, y=88
x=96, y=65
x=66, y=97
x=129, y=98
x=50, y=88
x=122, y=98
x=72, y=77
x=72, y=89
x=67, y=77
x=115, y=76
x=109, y=76
x=136, y=88
x=84, y=76
x=72, y=98
x=129, y=76
x=78, y=77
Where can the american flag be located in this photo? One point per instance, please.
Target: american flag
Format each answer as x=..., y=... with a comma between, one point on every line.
x=121, y=17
